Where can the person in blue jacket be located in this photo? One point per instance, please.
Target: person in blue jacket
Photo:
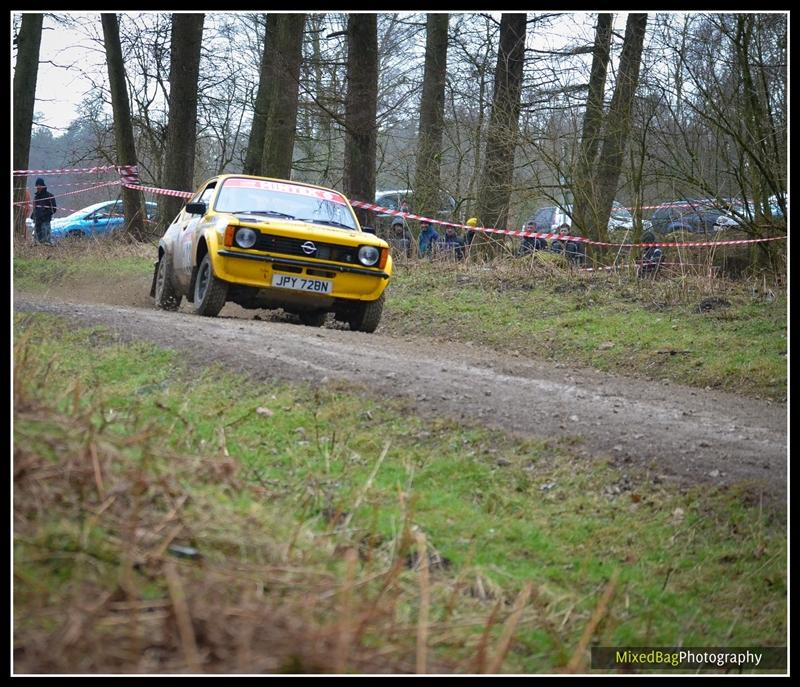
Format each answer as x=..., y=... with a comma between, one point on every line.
x=428, y=237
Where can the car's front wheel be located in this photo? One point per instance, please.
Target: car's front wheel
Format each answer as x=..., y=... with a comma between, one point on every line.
x=367, y=316
x=166, y=296
x=210, y=293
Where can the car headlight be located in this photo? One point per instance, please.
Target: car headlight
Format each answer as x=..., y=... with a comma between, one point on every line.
x=245, y=237
x=368, y=255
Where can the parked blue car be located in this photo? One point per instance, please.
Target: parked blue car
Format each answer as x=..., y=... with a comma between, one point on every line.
x=95, y=220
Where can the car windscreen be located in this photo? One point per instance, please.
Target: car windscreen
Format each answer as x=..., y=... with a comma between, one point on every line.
x=621, y=213
x=285, y=201
x=83, y=212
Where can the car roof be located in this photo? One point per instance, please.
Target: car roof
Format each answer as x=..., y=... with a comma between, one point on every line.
x=225, y=177
x=387, y=193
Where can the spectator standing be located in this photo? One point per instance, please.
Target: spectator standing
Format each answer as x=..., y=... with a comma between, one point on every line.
x=44, y=207
x=576, y=252
x=471, y=222
x=452, y=244
x=652, y=257
x=530, y=244
x=400, y=238
x=557, y=245
x=428, y=237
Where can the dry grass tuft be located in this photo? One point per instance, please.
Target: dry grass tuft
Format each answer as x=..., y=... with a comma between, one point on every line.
x=128, y=561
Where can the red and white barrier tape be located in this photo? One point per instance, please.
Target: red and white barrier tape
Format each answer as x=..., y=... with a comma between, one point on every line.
x=488, y=230
x=159, y=191
x=116, y=182
x=121, y=169
x=549, y=235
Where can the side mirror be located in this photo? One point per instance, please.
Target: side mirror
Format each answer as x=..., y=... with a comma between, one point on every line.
x=368, y=230
x=196, y=208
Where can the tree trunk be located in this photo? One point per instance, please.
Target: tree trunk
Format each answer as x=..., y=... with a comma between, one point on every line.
x=255, y=145
x=618, y=123
x=281, y=123
x=123, y=129
x=583, y=189
x=431, y=117
x=184, y=68
x=361, y=107
x=494, y=192
x=26, y=71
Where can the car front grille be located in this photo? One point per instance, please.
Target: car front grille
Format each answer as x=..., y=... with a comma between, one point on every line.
x=323, y=251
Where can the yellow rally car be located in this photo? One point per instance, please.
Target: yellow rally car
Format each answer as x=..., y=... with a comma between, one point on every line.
x=270, y=243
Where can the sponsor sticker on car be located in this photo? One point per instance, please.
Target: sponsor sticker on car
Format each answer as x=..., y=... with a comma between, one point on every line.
x=284, y=281
x=286, y=188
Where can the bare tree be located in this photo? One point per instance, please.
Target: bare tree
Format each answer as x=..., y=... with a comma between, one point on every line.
x=494, y=193
x=618, y=124
x=361, y=106
x=184, y=68
x=255, y=146
x=431, y=116
x=281, y=122
x=583, y=192
x=123, y=130
x=26, y=70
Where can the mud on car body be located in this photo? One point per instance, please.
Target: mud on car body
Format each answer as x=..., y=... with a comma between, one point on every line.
x=271, y=243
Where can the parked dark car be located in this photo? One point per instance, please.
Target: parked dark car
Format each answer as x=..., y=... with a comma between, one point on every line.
x=695, y=216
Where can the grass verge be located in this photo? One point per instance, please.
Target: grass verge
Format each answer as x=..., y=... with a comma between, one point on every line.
x=183, y=520
x=694, y=330
x=686, y=328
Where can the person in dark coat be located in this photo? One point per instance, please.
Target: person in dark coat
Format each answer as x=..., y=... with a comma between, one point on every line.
x=652, y=257
x=400, y=238
x=44, y=207
x=452, y=244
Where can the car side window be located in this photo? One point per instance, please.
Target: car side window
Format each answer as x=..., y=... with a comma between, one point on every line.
x=205, y=196
x=389, y=202
x=544, y=216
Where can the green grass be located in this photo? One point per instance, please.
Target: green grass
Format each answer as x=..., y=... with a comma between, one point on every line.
x=704, y=568
x=613, y=322
x=105, y=260
x=654, y=330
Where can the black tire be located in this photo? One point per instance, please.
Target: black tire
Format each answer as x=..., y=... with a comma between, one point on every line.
x=313, y=318
x=367, y=316
x=166, y=296
x=210, y=293
x=75, y=234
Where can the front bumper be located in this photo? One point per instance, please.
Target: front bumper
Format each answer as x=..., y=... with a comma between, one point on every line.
x=257, y=269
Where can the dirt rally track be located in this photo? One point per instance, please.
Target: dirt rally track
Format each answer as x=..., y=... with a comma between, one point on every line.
x=692, y=436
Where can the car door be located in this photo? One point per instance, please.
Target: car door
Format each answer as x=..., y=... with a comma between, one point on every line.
x=184, y=235
x=113, y=218
x=95, y=222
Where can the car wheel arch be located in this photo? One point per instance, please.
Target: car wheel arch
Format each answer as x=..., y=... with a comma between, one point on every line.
x=200, y=252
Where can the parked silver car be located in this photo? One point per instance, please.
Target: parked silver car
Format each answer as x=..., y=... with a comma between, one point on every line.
x=551, y=218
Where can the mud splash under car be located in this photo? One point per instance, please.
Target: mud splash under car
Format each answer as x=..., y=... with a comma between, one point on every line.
x=271, y=243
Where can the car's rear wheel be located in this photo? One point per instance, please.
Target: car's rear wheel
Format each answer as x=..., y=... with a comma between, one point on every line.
x=75, y=234
x=313, y=318
x=166, y=296
x=210, y=293
x=367, y=316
